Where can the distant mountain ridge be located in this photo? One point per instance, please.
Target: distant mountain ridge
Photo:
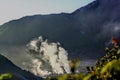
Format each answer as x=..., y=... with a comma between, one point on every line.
x=85, y=31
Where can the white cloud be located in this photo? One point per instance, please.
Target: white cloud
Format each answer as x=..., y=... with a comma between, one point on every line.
x=117, y=28
x=48, y=58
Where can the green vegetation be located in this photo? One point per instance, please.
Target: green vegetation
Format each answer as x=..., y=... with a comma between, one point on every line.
x=107, y=68
x=6, y=76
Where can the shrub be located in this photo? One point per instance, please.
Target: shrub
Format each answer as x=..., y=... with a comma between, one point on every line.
x=6, y=76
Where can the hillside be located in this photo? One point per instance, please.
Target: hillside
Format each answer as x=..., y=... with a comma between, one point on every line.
x=83, y=32
x=7, y=66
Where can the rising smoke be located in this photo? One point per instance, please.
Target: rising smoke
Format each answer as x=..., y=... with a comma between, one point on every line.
x=48, y=58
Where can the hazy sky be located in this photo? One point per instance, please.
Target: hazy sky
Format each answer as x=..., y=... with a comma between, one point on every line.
x=14, y=9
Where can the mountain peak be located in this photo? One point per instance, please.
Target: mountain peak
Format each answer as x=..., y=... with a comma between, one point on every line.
x=98, y=3
x=90, y=6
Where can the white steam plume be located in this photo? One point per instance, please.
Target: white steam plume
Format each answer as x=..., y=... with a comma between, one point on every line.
x=49, y=58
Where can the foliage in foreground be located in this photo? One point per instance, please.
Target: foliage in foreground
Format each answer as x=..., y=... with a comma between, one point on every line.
x=6, y=76
x=107, y=68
